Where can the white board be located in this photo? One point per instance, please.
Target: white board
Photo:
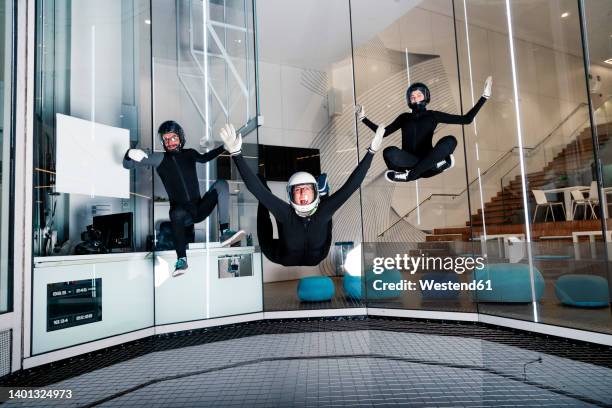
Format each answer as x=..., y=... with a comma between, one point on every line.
x=89, y=158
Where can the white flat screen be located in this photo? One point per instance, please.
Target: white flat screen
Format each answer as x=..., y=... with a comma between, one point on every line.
x=89, y=158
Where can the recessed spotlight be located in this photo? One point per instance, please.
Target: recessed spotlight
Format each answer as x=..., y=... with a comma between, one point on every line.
x=608, y=61
x=147, y=21
x=564, y=15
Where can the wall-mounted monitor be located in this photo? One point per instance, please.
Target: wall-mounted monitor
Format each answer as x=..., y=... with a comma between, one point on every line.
x=275, y=163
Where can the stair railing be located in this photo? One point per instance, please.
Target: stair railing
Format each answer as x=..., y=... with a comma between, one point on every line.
x=529, y=151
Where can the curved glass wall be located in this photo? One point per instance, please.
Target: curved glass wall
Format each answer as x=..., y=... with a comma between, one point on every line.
x=106, y=232
x=535, y=177
x=6, y=161
x=519, y=207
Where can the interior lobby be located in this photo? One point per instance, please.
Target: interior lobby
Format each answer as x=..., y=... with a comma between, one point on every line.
x=481, y=280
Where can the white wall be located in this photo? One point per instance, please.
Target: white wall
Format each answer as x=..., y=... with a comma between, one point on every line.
x=293, y=114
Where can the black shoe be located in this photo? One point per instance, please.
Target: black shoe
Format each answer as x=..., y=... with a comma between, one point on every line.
x=393, y=176
x=447, y=163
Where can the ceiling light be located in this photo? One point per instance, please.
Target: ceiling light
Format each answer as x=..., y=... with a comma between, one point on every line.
x=147, y=21
x=608, y=61
x=566, y=14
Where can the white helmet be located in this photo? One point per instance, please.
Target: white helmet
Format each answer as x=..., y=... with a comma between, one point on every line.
x=301, y=178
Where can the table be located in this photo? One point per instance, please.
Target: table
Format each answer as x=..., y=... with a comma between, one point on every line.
x=505, y=238
x=591, y=235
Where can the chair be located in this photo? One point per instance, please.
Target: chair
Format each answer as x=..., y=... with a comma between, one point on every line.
x=593, y=195
x=578, y=199
x=541, y=201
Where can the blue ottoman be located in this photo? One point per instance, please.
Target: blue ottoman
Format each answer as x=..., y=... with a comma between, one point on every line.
x=353, y=286
x=582, y=290
x=388, y=276
x=440, y=277
x=315, y=289
x=510, y=283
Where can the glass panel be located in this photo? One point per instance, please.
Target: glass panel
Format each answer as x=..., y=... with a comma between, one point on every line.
x=546, y=163
x=559, y=162
x=306, y=84
x=494, y=149
x=423, y=219
x=6, y=165
x=204, y=78
x=596, y=18
x=91, y=216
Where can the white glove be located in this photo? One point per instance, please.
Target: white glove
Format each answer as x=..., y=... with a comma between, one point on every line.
x=137, y=155
x=487, y=88
x=378, y=138
x=360, y=112
x=231, y=142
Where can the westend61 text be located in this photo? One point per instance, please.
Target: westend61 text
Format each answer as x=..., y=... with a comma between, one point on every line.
x=432, y=285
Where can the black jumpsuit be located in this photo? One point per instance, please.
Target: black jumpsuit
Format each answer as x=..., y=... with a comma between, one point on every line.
x=417, y=153
x=301, y=240
x=177, y=172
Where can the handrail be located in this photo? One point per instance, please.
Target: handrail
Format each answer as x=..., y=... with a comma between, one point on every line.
x=553, y=131
x=495, y=163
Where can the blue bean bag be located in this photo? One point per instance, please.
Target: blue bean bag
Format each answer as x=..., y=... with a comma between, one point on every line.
x=510, y=283
x=353, y=286
x=440, y=277
x=315, y=289
x=582, y=290
x=374, y=281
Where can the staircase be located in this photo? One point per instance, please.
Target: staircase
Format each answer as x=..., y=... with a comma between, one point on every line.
x=504, y=212
x=577, y=156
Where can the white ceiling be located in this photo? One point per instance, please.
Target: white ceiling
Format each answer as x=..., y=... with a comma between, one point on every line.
x=540, y=21
x=316, y=33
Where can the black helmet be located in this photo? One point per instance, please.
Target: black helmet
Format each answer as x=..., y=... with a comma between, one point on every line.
x=171, y=126
x=420, y=106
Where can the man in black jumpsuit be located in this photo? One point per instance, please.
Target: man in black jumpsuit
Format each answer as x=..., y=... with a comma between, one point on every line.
x=177, y=171
x=417, y=158
x=304, y=237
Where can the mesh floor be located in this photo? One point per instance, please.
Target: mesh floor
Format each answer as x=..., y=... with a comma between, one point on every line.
x=334, y=362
